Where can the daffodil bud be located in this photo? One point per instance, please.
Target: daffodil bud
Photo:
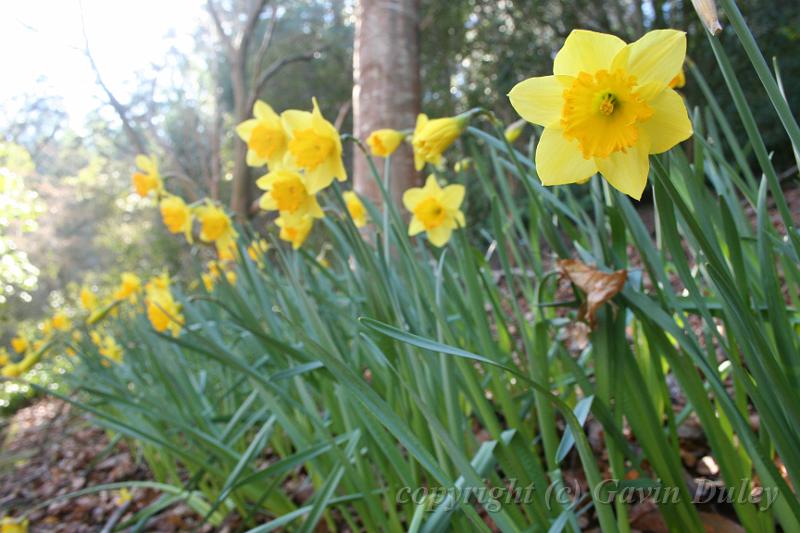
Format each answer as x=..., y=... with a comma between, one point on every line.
x=707, y=10
x=514, y=130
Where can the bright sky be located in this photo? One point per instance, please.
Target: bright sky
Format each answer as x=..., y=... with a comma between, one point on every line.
x=43, y=38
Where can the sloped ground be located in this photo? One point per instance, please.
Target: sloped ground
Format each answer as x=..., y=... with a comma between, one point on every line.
x=50, y=450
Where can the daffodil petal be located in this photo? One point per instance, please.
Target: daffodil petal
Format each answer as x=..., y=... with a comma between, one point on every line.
x=267, y=203
x=318, y=179
x=586, y=51
x=253, y=160
x=144, y=162
x=294, y=119
x=266, y=181
x=412, y=197
x=657, y=56
x=669, y=124
x=262, y=110
x=439, y=235
x=415, y=227
x=431, y=185
x=452, y=196
x=538, y=100
x=627, y=171
x=559, y=161
x=244, y=129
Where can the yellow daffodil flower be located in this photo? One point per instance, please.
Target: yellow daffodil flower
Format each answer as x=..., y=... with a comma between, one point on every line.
x=295, y=230
x=14, y=525
x=177, y=216
x=287, y=193
x=314, y=146
x=356, y=208
x=462, y=165
x=256, y=251
x=88, y=299
x=147, y=179
x=215, y=224
x=11, y=370
x=163, y=311
x=606, y=108
x=432, y=137
x=382, y=143
x=123, y=497
x=4, y=358
x=265, y=137
x=130, y=285
x=435, y=210
x=61, y=321
x=108, y=348
x=19, y=343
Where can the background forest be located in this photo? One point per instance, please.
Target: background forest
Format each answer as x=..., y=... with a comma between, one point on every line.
x=68, y=212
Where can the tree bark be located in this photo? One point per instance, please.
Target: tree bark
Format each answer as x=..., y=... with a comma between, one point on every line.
x=386, y=90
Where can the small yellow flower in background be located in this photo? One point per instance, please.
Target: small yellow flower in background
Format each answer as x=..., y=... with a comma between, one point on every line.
x=435, y=210
x=295, y=230
x=314, y=146
x=4, y=357
x=108, y=347
x=257, y=249
x=606, y=108
x=287, y=193
x=356, y=208
x=19, y=343
x=163, y=311
x=514, y=130
x=61, y=321
x=88, y=299
x=462, y=165
x=14, y=525
x=230, y=275
x=95, y=337
x=322, y=256
x=679, y=81
x=265, y=137
x=123, y=497
x=432, y=137
x=148, y=179
x=130, y=285
x=208, y=281
x=46, y=327
x=11, y=370
x=382, y=143
x=177, y=216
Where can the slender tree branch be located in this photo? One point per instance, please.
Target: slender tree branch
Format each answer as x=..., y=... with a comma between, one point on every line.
x=275, y=67
x=122, y=111
x=223, y=36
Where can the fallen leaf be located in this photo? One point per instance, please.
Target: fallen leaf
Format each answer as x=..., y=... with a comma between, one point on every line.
x=599, y=287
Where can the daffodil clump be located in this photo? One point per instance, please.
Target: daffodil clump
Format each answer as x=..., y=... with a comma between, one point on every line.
x=606, y=108
x=303, y=153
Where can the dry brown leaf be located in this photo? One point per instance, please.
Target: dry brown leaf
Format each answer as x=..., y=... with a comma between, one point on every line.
x=599, y=287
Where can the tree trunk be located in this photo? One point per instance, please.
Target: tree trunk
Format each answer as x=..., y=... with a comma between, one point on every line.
x=240, y=191
x=386, y=90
